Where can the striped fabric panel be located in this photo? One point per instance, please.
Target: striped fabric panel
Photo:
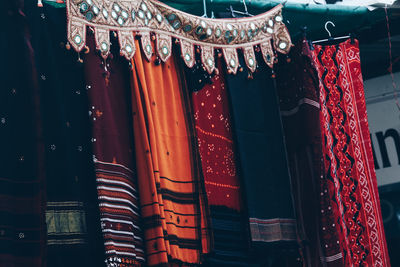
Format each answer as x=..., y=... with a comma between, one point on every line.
x=114, y=160
x=231, y=241
x=66, y=223
x=272, y=230
x=21, y=232
x=119, y=211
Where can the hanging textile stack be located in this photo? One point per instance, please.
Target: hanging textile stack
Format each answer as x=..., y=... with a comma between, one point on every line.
x=135, y=134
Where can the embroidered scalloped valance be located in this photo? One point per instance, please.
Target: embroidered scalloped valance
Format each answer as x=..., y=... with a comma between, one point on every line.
x=145, y=17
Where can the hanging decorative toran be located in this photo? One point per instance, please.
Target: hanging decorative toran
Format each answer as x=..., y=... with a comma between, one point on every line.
x=149, y=18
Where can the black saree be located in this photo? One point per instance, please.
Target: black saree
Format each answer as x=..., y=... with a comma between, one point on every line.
x=22, y=196
x=264, y=166
x=72, y=214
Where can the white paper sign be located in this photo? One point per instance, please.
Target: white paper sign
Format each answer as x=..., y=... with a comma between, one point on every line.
x=384, y=123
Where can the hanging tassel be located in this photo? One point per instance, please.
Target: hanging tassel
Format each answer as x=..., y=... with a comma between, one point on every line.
x=106, y=73
x=91, y=30
x=87, y=49
x=273, y=75
x=39, y=3
x=80, y=60
x=157, y=61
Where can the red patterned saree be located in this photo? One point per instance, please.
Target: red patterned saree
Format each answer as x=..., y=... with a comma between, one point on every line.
x=347, y=153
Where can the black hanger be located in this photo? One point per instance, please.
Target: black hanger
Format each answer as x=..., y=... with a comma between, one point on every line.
x=330, y=35
x=304, y=31
x=304, y=36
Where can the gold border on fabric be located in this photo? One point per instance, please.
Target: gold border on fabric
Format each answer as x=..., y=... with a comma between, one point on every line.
x=66, y=223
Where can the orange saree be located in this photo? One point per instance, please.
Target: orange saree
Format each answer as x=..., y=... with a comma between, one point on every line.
x=172, y=201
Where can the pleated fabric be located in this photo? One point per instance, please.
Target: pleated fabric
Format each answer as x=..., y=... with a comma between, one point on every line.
x=219, y=167
x=22, y=177
x=263, y=164
x=347, y=153
x=108, y=85
x=172, y=204
x=298, y=88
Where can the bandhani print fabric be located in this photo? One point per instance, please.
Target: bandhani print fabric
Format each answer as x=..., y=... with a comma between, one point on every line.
x=172, y=204
x=108, y=86
x=347, y=153
x=221, y=176
x=214, y=136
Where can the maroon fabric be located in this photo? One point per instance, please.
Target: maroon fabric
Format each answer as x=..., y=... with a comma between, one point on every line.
x=108, y=88
x=298, y=87
x=213, y=129
x=347, y=153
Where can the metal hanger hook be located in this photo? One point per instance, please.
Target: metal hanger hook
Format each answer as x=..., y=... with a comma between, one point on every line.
x=245, y=13
x=245, y=7
x=212, y=11
x=205, y=9
x=326, y=27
